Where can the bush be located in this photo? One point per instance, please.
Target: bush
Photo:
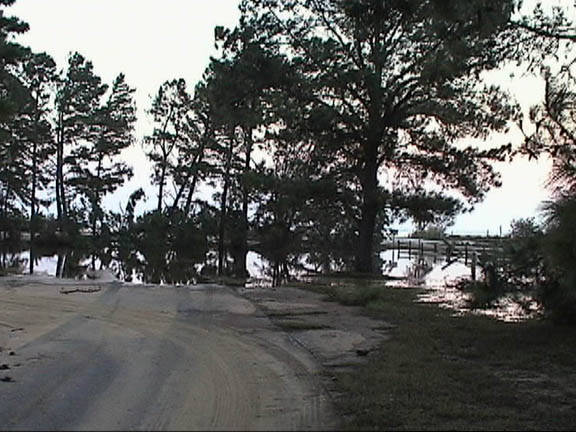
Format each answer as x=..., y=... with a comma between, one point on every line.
x=536, y=260
x=558, y=294
x=518, y=268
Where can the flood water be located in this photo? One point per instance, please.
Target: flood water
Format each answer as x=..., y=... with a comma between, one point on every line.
x=438, y=276
x=435, y=273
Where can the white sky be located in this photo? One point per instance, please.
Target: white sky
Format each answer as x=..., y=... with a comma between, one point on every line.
x=153, y=41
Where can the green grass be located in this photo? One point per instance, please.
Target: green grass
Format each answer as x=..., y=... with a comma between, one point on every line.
x=442, y=372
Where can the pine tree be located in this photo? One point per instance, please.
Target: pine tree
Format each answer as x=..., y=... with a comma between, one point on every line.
x=39, y=76
x=77, y=108
x=170, y=111
x=13, y=99
x=240, y=84
x=98, y=170
x=11, y=55
x=192, y=165
x=392, y=88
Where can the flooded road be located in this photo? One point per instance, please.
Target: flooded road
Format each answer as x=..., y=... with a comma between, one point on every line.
x=113, y=356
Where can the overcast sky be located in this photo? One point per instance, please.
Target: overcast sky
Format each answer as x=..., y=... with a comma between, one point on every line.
x=154, y=41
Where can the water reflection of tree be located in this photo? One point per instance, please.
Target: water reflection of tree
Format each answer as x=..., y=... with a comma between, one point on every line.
x=162, y=250
x=421, y=264
x=279, y=269
x=11, y=258
x=278, y=247
x=420, y=268
x=70, y=263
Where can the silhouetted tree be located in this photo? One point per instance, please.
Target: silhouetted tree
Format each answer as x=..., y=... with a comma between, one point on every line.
x=392, y=88
x=241, y=83
x=13, y=99
x=77, y=107
x=170, y=111
x=11, y=54
x=192, y=164
x=39, y=76
x=97, y=170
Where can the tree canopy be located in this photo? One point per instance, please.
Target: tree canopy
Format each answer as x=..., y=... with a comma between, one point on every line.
x=392, y=89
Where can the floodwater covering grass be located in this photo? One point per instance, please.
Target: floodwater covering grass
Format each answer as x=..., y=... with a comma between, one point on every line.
x=442, y=371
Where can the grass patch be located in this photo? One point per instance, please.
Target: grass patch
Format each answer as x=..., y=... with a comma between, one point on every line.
x=355, y=296
x=223, y=280
x=289, y=313
x=300, y=325
x=9, y=271
x=445, y=372
x=348, y=291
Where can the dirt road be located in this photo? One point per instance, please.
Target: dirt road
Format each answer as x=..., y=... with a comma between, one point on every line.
x=123, y=357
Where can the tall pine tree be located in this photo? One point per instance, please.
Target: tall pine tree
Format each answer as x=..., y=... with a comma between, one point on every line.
x=77, y=110
x=170, y=111
x=98, y=170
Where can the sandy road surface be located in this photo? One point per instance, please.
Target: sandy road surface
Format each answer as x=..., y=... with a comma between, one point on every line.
x=143, y=357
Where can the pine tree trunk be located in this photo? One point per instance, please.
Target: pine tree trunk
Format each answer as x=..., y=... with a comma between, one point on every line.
x=96, y=201
x=33, y=187
x=192, y=185
x=4, y=215
x=165, y=155
x=161, y=187
x=369, y=210
x=188, y=205
x=33, y=205
x=241, y=269
x=179, y=195
x=223, y=210
x=61, y=204
x=369, y=178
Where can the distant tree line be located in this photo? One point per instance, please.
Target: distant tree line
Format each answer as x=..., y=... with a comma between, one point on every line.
x=318, y=125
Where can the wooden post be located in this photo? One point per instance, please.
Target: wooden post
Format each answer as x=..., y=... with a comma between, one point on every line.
x=473, y=272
